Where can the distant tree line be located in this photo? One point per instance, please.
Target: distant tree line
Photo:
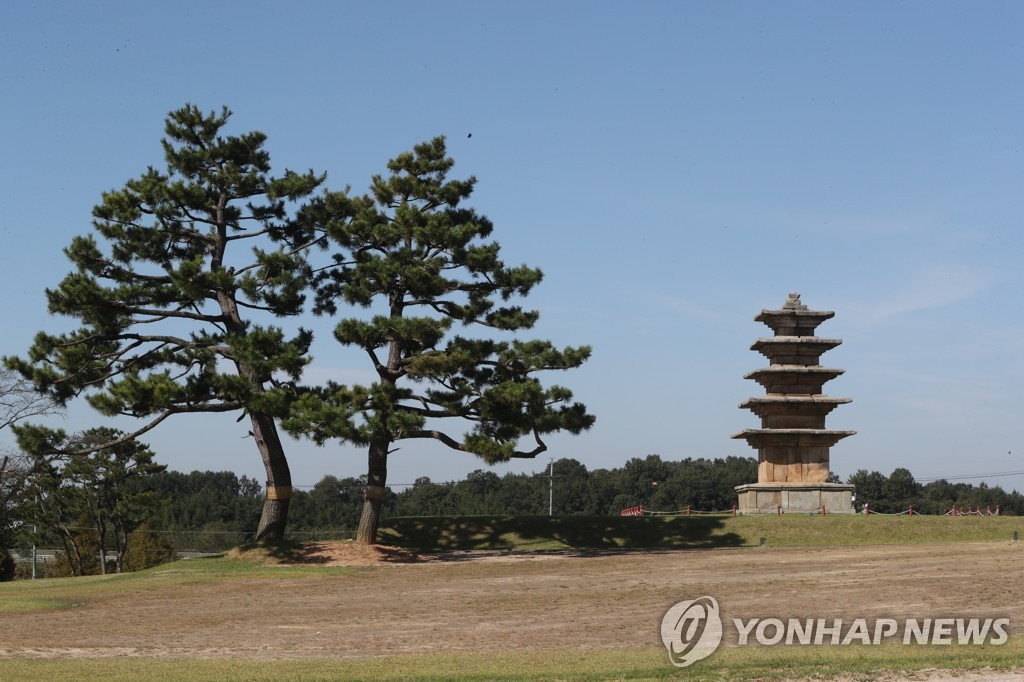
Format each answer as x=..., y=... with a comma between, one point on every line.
x=215, y=510
x=661, y=485
x=898, y=492
x=207, y=509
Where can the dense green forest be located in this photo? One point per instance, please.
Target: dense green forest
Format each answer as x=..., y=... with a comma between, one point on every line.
x=207, y=510
x=221, y=502
x=214, y=509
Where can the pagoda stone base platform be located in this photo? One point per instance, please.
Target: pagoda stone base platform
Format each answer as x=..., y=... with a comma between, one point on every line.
x=795, y=498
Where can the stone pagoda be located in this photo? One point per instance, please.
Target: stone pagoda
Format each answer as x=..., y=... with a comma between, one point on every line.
x=793, y=443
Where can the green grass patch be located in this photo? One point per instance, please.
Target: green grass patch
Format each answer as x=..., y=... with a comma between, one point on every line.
x=432, y=534
x=67, y=593
x=28, y=602
x=738, y=663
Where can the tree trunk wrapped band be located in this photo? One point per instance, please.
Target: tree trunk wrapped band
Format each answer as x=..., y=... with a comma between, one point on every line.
x=376, y=493
x=279, y=492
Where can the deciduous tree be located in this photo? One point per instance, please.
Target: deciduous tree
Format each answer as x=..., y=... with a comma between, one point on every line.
x=18, y=400
x=112, y=484
x=14, y=471
x=105, y=488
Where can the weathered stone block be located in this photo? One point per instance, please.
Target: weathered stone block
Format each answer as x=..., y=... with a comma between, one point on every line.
x=795, y=498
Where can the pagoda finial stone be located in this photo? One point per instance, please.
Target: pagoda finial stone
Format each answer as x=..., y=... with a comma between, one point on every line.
x=793, y=302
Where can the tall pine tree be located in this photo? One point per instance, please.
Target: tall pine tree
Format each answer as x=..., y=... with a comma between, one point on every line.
x=176, y=294
x=411, y=251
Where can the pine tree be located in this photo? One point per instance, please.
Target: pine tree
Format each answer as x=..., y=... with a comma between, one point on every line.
x=412, y=251
x=176, y=292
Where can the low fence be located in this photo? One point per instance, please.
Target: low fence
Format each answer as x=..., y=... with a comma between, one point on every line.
x=48, y=555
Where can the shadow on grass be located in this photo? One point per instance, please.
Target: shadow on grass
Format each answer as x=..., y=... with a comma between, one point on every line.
x=438, y=534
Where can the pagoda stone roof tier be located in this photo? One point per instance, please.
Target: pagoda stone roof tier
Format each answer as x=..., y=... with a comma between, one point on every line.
x=794, y=318
x=793, y=379
x=795, y=399
x=761, y=438
x=794, y=350
x=796, y=404
x=793, y=411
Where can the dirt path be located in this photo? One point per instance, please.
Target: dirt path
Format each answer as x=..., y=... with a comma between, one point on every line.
x=486, y=602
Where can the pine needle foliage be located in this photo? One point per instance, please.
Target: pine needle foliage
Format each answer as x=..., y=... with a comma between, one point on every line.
x=410, y=251
x=176, y=291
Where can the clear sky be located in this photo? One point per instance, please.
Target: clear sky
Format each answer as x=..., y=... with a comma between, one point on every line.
x=673, y=167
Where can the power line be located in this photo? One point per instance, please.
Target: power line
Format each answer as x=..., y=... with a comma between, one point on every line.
x=997, y=474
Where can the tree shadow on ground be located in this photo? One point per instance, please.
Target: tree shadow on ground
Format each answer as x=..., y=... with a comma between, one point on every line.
x=283, y=551
x=294, y=552
x=439, y=534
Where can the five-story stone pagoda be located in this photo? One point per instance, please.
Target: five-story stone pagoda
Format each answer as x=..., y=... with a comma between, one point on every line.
x=793, y=443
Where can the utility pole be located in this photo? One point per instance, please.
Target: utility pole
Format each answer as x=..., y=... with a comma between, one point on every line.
x=551, y=488
x=34, y=528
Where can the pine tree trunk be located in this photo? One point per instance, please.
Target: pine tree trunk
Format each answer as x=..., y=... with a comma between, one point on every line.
x=103, y=553
x=274, y=518
x=101, y=533
x=376, y=479
x=71, y=552
x=279, y=479
x=78, y=567
x=368, y=521
x=120, y=549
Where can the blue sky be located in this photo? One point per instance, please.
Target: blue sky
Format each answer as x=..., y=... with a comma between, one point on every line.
x=673, y=167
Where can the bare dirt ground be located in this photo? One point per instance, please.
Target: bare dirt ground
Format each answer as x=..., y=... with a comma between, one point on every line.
x=402, y=604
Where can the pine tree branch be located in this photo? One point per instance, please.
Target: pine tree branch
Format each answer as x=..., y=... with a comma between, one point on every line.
x=436, y=435
x=253, y=306
x=246, y=235
x=428, y=412
x=541, y=447
x=123, y=439
x=455, y=445
x=164, y=314
x=290, y=252
x=383, y=371
x=117, y=273
x=170, y=340
x=219, y=407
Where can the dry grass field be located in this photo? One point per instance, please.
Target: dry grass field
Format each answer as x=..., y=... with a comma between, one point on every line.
x=491, y=603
